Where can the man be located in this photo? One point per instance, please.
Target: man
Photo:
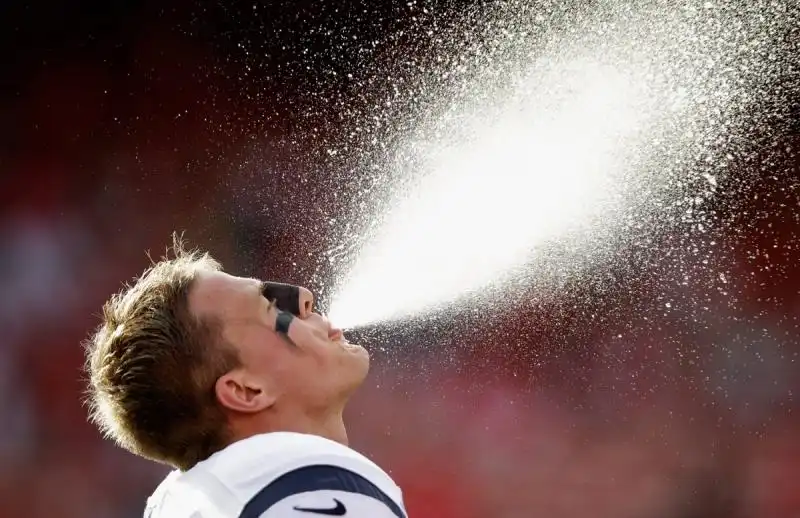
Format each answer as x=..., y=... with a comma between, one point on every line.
x=196, y=369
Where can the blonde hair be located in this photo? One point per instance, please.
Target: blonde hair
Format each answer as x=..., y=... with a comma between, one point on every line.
x=152, y=366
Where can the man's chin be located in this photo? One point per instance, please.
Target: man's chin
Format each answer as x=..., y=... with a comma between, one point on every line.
x=352, y=348
x=355, y=379
x=359, y=351
x=361, y=362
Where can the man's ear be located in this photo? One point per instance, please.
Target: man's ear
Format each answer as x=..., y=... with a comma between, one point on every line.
x=242, y=392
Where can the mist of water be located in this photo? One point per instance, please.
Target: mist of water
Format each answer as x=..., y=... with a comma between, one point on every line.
x=571, y=141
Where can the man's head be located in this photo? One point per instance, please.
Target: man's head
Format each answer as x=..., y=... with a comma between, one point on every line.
x=187, y=360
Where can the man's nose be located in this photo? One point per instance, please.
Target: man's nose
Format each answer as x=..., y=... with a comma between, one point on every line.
x=306, y=302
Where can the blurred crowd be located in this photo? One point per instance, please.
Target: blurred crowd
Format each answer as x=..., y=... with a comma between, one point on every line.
x=102, y=162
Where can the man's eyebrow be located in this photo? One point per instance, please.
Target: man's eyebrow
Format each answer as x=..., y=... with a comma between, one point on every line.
x=258, y=286
x=261, y=286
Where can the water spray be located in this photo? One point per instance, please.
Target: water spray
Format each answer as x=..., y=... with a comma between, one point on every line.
x=627, y=116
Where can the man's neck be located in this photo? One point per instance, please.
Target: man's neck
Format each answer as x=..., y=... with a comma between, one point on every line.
x=329, y=425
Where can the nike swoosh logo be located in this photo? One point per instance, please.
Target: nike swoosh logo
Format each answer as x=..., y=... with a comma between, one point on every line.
x=339, y=510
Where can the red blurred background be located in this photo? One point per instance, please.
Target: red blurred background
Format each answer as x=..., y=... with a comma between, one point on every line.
x=122, y=122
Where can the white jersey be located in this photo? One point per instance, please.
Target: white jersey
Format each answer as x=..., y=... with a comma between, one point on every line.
x=282, y=474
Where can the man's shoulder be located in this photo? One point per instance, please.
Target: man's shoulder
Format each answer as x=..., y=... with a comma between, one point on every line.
x=248, y=465
x=162, y=491
x=265, y=469
x=174, y=497
x=308, y=475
